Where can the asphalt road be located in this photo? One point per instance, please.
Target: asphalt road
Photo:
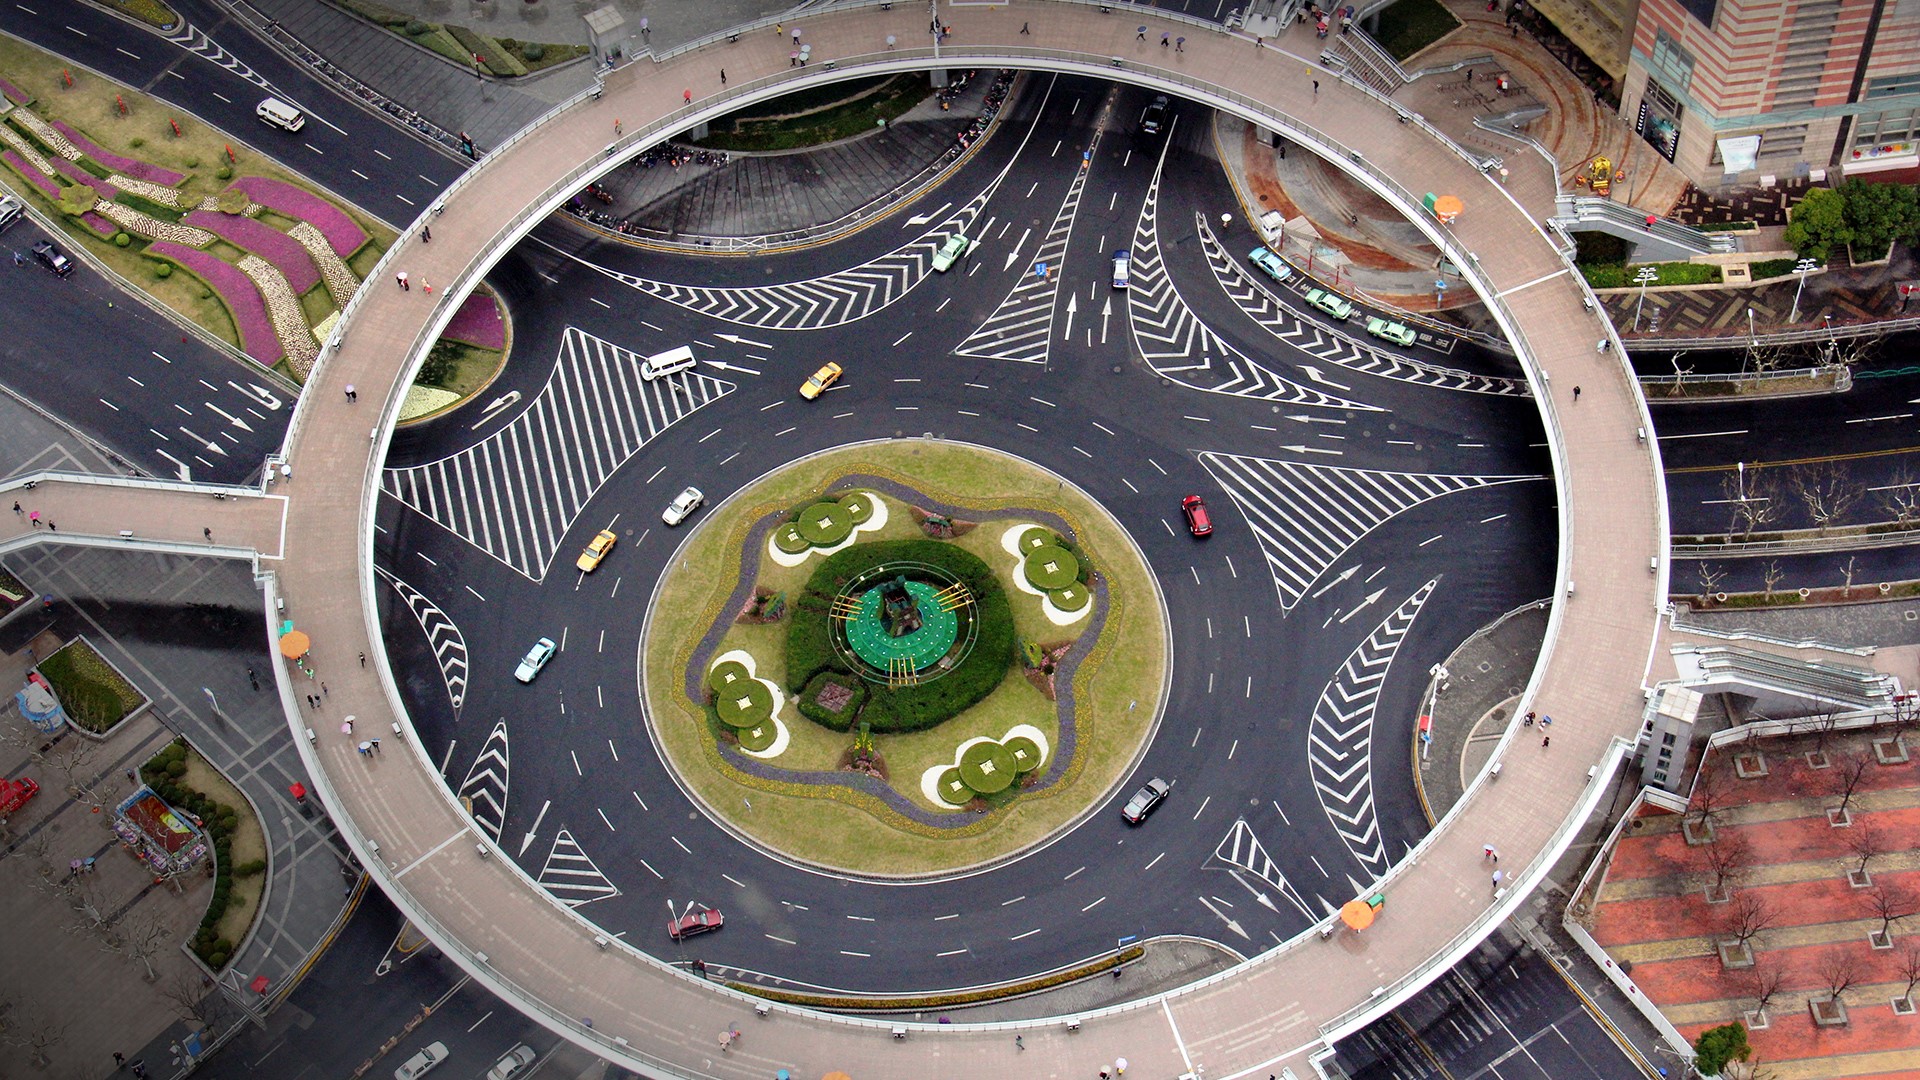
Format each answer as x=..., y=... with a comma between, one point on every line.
x=1222, y=406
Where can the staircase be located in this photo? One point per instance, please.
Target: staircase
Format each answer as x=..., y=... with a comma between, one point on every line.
x=1665, y=241
x=1365, y=60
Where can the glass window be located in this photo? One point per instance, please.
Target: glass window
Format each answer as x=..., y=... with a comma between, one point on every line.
x=1671, y=61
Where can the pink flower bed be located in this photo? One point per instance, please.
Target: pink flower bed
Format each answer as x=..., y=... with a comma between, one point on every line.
x=14, y=92
x=283, y=251
x=478, y=322
x=81, y=176
x=33, y=176
x=236, y=290
x=98, y=224
x=127, y=166
x=341, y=231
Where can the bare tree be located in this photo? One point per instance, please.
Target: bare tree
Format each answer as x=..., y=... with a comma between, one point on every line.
x=1909, y=968
x=1763, y=984
x=1746, y=916
x=1867, y=843
x=1726, y=858
x=1710, y=796
x=1839, y=971
x=1889, y=903
x=192, y=998
x=1710, y=578
x=1772, y=575
x=1753, y=499
x=27, y=1029
x=1852, y=773
x=1827, y=489
x=140, y=936
x=1899, y=499
x=1847, y=572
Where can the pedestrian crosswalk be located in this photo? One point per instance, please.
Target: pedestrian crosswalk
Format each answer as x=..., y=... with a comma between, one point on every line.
x=1240, y=848
x=1306, y=517
x=1325, y=344
x=1183, y=349
x=1340, y=738
x=516, y=493
x=571, y=876
x=1021, y=328
x=484, y=791
x=443, y=636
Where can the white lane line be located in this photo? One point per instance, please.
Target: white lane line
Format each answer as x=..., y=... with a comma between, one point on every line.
x=1093, y=905
x=603, y=819
x=1536, y=281
x=1028, y=934
x=1705, y=434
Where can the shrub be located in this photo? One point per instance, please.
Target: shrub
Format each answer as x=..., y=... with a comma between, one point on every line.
x=193, y=163
x=417, y=27
x=1818, y=223
x=1769, y=268
x=809, y=705
x=249, y=869
x=1879, y=215
x=176, y=769
x=1717, y=1046
x=224, y=172
x=163, y=270
x=121, y=239
x=136, y=142
x=533, y=52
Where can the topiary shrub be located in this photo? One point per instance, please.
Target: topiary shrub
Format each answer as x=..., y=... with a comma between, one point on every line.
x=176, y=768
x=533, y=52
x=417, y=27
x=231, y=201
x=163, y=270
x=193, y=163
x=121, y=239
x=224, y=172
x=136, y=142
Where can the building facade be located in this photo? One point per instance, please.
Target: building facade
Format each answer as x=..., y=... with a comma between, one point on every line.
x=1733, y=91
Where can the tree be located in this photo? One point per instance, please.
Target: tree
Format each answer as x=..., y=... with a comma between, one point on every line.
x=1910, y=969
x=1852, y=774
x=1899, y=499
x=1867, y=844
x=1746, y=916
x=1847, y=572
x=1827, y=489
x=1771, y=575
x=1717, y=1046
x=1763, y=983
x=1753, y=499
x=1817, y=224
x=1878, y=215
x=1710, y=578
x=1839, y=971
x=1726, y=858
x=1889, y=903
x=27, y=1029
x=192, y=999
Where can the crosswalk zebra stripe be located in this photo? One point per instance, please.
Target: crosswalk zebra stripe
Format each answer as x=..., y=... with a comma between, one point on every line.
x=1324, y=344
x=443, y=636
x=1307, y=516
x=571, y=876
x=1183, y=349
x=1340, y=738
x=486, y=783
x=515, y=494
x=1241, y=848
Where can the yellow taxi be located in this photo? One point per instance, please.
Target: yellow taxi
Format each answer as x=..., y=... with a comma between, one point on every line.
x=597, y=550
x=817, y=384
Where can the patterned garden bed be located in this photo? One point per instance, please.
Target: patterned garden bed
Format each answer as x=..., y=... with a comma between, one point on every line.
x=236, y=291
x=289, y=321
x=101, y=226
x=84, y=178
x=283, y=251
x=152, y=228
x=32, y=175
x=478, y=322
x=133, y=167
x=333, y=270
x=26, y=151
x=14, y=93
x=342, y=232
x=48, y=137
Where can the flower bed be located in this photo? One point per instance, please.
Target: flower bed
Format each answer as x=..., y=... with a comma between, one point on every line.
x=48, y=137
x=133, y=167
x=140, y=224
x=478, y=322
x=25, y=150
x=84, y=178
x=283, y=251
x=159, y=193
x=289, y=321
x=14, y=93
x=342, y=232
x=32, y=175
x=104, y=228
x=333, y=270
x=236, y=292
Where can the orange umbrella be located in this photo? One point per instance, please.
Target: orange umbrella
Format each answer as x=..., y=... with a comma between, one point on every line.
x=836, y=1076
x=1357, y=914
x=294, y=644
x=1447, y=207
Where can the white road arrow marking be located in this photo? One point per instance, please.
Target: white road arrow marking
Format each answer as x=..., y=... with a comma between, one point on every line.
x=1344, y=575
x=1315, y=419
x=527, y=841
x=1314, y=374
x=738, y=340
x=1362, y=606
x=922, y=219
x=1265, y=901
x=186, y=472
x=1231, y=925
x=258, y=393
x=1310, y=450
x=724, y=366
x=1073, y=305
x=1015, y=252
x=234, y=420
x=1106, y=312
x=210, y=444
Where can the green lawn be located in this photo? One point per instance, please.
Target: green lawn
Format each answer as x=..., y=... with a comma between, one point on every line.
x=1412, y=25
x=816, y=117
x=835, y=826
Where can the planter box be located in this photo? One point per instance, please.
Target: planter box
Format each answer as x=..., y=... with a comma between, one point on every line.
x=73, y=664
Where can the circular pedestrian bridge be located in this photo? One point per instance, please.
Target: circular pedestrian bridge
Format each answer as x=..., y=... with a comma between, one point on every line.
x=1273, y=1012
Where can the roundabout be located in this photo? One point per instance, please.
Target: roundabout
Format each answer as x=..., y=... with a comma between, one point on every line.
x=524, y=943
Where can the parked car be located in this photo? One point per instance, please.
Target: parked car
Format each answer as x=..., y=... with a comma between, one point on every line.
x=1198, y=521
x=535, y=659
x=1330, y=302
x=695, y=922
x=951, y=251
x=1145, y=800
x=1155, y=118
x=1122, y=268
x=51, y=257
x=421, y=1063
x=1274, y=265
x=10, y=211
x=1390, y=331
x=515, y=1063
x=818, y=382
x=603, y=542
x=683, y=506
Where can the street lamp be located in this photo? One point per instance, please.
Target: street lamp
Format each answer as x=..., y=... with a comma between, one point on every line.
x=1801, y=269
x=1646, y=275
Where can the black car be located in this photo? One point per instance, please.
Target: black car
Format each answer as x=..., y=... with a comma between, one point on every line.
x=52, y=258
x=1155, y=117
x=1145, y=800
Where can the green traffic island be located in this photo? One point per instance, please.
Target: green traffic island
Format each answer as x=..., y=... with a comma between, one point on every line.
x=188, y=783
x=885, y=1003
x=844, y=669
x=92, y=692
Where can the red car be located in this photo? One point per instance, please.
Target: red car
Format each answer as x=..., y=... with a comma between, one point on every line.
x=1198, y=523
x=695, y=922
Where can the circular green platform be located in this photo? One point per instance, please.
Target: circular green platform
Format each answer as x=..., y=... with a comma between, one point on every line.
x=868, y=636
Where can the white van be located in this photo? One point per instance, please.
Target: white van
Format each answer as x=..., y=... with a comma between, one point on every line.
x=666, y=363
x=277, y=113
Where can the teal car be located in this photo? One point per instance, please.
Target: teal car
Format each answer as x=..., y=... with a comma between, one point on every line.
x=1330, y=302
x=950, y=252
x=1265, y=259
x=1390, y=331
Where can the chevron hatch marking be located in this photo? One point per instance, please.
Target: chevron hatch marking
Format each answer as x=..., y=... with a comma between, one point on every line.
x=1307, y=516
x=571, y=876
x=1340, y=739
x=443, y=635
x=485, y=788
x=1241, y=848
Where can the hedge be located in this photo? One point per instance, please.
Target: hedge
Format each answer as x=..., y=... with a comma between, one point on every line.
x=810, y=648
x=161, y=773
x=497, y=59
x=1671, y=273
x=94, y=695
x=838, y=721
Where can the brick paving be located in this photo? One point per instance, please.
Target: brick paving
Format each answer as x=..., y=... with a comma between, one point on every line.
x=1271, y=1013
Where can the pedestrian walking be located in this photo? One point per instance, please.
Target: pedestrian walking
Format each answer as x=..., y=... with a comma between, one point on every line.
x=348, y=726
x=139, y=1069
x=1546, y=741
x=208, y=533
x=796, y=35
x=426, y=234
x=19, y=259
x=119, y=1060
x=1487, y=852
x=1179, y=44
x=1527, y=721
x=723, y=76
x=401, y=277
x=1576, y=393
x=1469, y=76
x=778, y=30
x=1140, y=33
x=1316, y=88
x=324, y=692
x=1546, y=721
x=617, y=127
x=793, y=58
x=427, y=286
x=363, y=659
x=17, y=510
x=35, y=518
x=1651, y=219
x=1259, y=43
x=352, y=394
x=1120, y=1066
x=376, y=745
x=1019, y=1043
x=366, y=749
x=51, y=527
x=253, y=680
x=1497, y=876
x=686, y=96
x=1024, y=30
x=1166, y=36
x=647, y=32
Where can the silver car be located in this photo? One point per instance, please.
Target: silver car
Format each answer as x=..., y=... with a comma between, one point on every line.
x=513, y=1064
x=421, y=1063
x=683, y=506
x=535, y=659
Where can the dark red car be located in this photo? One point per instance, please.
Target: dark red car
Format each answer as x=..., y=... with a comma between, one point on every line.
x=695, y=922
x=1198, y=523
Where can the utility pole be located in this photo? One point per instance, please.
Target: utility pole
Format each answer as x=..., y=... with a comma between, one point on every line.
x=1801, y=269
x=1646, y=275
